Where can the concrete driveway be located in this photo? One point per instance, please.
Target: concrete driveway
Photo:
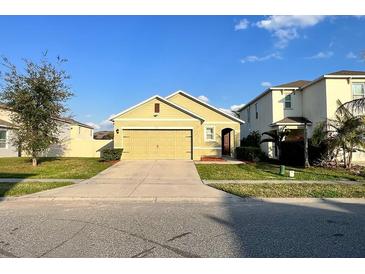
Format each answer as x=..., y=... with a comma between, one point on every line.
x=142, y=180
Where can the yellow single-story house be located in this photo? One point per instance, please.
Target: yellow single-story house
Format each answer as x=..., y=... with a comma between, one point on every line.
x=179, y=126
x=76, y=139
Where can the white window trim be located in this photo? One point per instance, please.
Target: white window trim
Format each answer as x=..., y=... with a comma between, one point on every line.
x=205, y=133
x=210, y=148
x=6, y=139
x=291, y=101
x=352, y=92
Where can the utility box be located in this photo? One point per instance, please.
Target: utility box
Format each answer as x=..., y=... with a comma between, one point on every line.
x=282, y=170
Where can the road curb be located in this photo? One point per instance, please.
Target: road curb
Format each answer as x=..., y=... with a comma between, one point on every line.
x=288, y=181
x=225, y=200
x=29, y=180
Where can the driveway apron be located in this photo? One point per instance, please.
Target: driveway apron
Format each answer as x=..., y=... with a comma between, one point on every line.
x=142, y=180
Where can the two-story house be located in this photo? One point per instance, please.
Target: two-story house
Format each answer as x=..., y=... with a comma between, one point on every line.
x=300, y=104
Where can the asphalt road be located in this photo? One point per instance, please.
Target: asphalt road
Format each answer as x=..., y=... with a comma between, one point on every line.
x=116, y=229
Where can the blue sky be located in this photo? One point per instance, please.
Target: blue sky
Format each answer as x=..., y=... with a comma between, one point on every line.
x=116, y=62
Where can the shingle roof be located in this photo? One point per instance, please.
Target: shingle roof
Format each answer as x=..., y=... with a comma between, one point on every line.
x=295, y=84
x=66, y=120
x=347, y=72
x=74, y=122
x=293, y=120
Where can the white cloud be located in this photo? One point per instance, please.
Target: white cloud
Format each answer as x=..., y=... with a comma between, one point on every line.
x=285, y=27
x=232, y=109
x=351, y=55
x=203, y=98
x=254, y=58
x=321, y=55
x=88, y=115
x=237, y=107
x=103, y=125
x=242, y=24
x=95, y=126
x=228, y=111
x=266, y=84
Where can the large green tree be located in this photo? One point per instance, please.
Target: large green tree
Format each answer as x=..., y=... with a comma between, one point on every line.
x=36, y=95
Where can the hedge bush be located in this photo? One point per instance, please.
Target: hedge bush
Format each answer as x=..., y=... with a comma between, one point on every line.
x=111, y=154
x=250, y=154
x=252, y=140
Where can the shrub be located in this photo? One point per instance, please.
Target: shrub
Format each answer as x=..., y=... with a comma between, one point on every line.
x=292, y=153
x=252, y=140
x=250, y=154
x=111, y=154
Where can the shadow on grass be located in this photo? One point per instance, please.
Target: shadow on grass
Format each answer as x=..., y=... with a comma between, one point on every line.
x=5, y=188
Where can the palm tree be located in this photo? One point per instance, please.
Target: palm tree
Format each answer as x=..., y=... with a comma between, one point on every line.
x=345, y=133
x=277, y=137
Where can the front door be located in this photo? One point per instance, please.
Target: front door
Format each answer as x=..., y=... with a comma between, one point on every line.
x=226, y=144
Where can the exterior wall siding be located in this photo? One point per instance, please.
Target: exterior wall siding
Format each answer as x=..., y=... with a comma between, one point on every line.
x=170, y=117
x=262, y=124
x=75, y=141
x=315, y=104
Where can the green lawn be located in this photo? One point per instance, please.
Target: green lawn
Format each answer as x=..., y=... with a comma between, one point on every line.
x=294, y=190
x=266, y=171
x=60, y=168
x=18, y=189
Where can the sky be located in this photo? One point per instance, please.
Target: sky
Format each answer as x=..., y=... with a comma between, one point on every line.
x=116, y=62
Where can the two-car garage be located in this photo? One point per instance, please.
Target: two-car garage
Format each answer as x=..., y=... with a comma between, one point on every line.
x=157, y=144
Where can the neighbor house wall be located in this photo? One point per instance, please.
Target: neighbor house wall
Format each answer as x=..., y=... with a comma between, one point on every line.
x=262, y=124
x=278, y=101
x=315, y=104
x=10, y=150
x=341, y=89
x=77, y=141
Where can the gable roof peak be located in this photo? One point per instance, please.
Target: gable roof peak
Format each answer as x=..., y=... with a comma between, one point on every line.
x=163, y=100
x=205, y=104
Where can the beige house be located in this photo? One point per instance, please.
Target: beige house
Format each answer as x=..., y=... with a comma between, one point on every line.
x=178, y=126
x=76, y=139
x=296, y=104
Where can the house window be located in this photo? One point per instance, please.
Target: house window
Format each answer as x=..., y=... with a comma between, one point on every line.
x=248, y=115
x=209, y=134
x=358, y=90
x=287, y=101
x=3, y=134
x=157, y=108
x=79, y=130
x=257, y=111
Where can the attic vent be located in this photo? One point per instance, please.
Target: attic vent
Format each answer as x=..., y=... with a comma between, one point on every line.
x=157, y=108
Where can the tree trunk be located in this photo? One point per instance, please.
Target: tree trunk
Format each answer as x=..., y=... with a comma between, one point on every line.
x=34, y=161
x=349, y=161
x=344, y=156
x=306, y=158
x=278, y=145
